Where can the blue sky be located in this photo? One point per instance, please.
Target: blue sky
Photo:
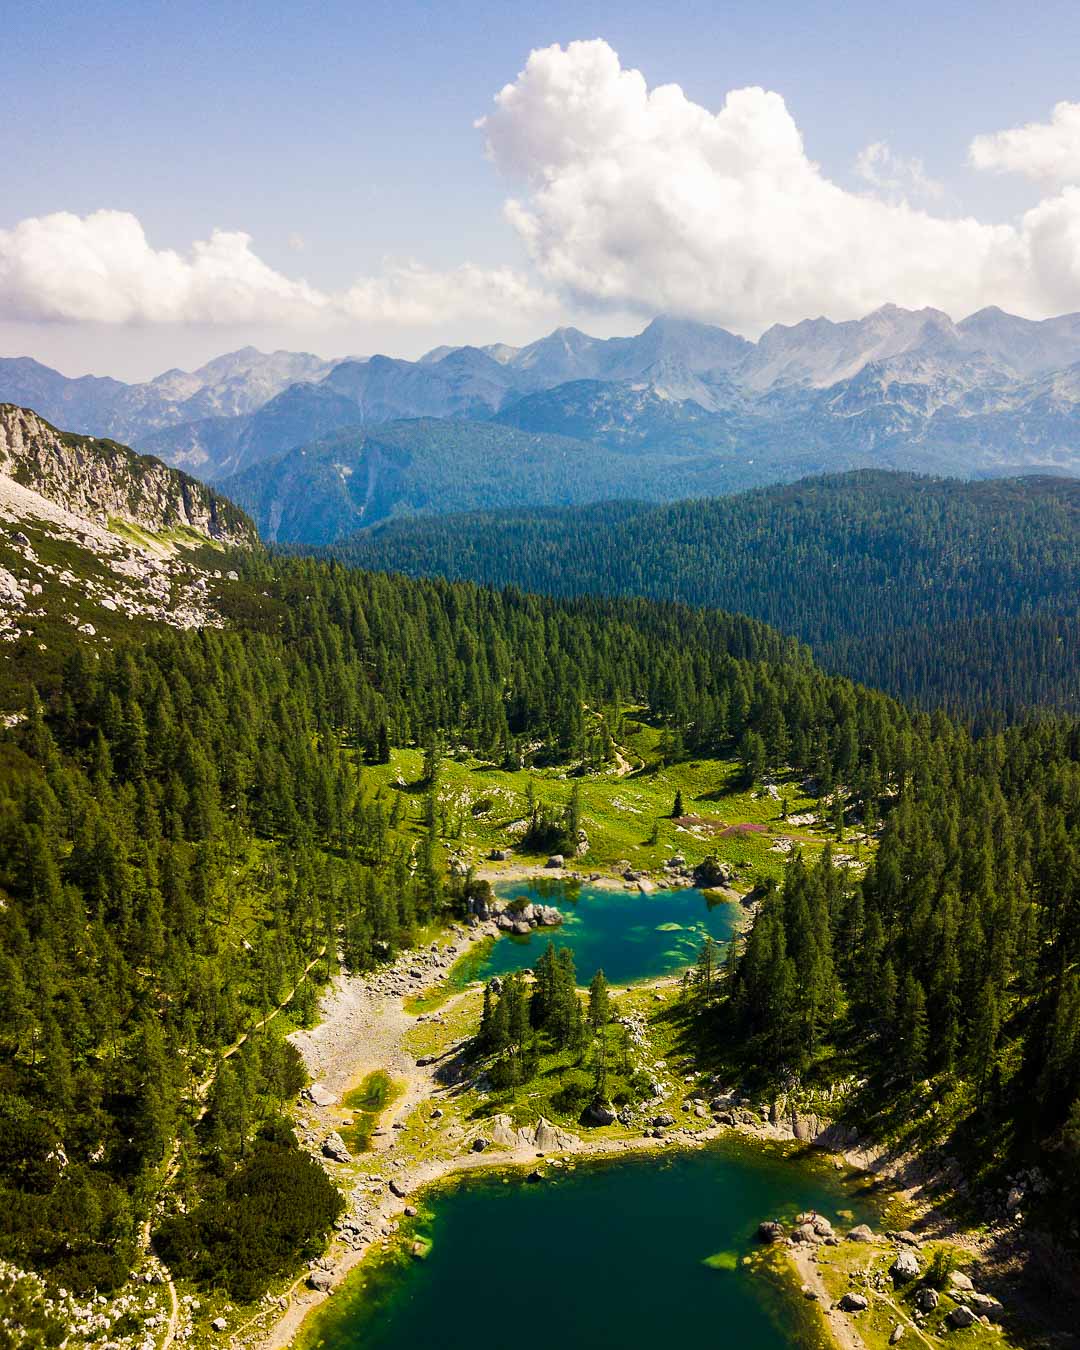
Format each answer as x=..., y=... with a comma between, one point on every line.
x=338, y=136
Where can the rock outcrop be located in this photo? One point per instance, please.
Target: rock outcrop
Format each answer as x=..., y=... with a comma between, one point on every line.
x=93, y=535
x=101, y=480
x=543, y=1136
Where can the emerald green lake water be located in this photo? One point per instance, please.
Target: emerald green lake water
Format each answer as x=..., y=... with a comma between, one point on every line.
x=608, y=1255
x=628, y=935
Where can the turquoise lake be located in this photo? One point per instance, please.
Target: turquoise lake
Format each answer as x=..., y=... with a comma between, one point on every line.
x=627, y=935
x=610, y=1254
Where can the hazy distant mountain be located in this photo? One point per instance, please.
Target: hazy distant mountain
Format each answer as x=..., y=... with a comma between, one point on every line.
x=899, y=388
x=215, y=447
x=229, y=386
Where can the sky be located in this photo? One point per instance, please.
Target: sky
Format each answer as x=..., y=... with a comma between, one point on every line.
x=181, y=179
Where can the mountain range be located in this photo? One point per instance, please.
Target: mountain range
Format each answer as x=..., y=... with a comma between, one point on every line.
x=682, y=408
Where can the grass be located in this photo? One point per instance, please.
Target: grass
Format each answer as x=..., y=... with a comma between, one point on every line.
x=377, y=1092
x=864, y=1269
x=627, y=819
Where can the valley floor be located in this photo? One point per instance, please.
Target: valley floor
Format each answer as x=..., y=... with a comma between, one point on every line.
x=372, y=1023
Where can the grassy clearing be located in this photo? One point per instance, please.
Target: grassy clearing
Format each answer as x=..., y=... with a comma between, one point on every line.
x=865, y=1269
x=627, y=819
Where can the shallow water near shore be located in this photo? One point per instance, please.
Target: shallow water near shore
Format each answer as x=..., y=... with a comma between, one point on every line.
x=628, y=935
x=641, y=1251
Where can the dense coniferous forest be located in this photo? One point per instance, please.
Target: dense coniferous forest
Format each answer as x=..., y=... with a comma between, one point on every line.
x=950, y=975
x=188, y=840
x=954, y=594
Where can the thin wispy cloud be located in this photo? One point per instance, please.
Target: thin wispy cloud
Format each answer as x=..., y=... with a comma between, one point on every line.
x=895, y=176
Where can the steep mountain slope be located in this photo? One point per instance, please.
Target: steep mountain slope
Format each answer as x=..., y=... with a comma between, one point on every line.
x=218, y=446
x=317, y=493
x=94, y=538
x=881, y=573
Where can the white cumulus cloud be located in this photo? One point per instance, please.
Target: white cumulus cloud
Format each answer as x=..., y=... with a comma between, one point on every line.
x=640, y=198
x=1049, y=152
x=101, y=268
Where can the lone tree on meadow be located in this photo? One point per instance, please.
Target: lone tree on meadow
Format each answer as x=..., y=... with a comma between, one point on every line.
x=599, y=1003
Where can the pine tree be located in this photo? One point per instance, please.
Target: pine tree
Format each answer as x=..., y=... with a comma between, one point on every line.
x=599, y=1004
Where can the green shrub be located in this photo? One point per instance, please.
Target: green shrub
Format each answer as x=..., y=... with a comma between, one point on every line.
x=942, y=1264
x=272, y=1213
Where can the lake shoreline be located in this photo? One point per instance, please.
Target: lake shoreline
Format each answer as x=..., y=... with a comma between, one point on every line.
x=362, y=1029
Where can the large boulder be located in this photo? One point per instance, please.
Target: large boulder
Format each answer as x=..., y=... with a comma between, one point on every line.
x=599, y=1113
x=927, y=1299
x=503, y=1133
x=985, y=1305
x=320, y=1095
x=770, y=1231
x=906, y=1267
x=711, y=872
x=959, y=1281
x=320, y=1280
x=548, y=1137
x=853, y=1302
x=333, y=1147
x=862, y=1232
x=961, y=1317
x=556, y=860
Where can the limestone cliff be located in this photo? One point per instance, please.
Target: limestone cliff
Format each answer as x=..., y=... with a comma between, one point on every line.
x=100, y=480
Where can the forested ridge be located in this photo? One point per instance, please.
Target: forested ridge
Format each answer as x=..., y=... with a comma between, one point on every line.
x=954, y=594
x=186, y=827
x=943, y=989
